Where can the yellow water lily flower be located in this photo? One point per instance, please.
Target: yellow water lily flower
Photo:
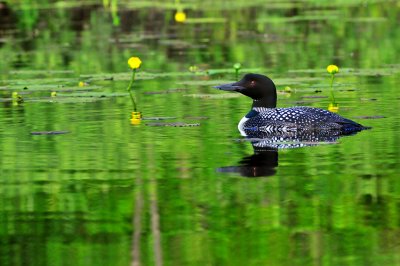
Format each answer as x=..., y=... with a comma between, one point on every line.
x=136, y=118
x=287, y=89
x=134, y=62
x=333, y=107
x=193, y=68
x=17, y=99
x=180, y=16
x=237, y=65
x=332, y=69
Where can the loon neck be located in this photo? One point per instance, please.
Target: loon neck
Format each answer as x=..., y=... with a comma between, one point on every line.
x=266, y=102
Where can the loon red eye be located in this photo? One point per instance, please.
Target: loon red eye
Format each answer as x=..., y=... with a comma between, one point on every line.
x=252, y=83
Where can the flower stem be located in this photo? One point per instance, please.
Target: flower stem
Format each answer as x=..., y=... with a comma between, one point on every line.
x=332, y=95
x=129, y=89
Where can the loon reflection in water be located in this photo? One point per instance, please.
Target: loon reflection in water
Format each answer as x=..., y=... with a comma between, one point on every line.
x=264, y=161
x=270, y=128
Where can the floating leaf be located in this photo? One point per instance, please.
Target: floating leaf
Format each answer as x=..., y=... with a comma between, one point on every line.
x=159, y=118
x=94, y=94
x=313, y=96
x=164, y=91
x=174, y=42
x=214, y=96
x=231, y=70
x=175, y=124
x=117, y=76
x=49, y=132
x=59, y=99
x=368, y=99
x=370, y=117
x=307, y=71
x=207, y=20
x=304, y=102
x=366, y=19
x=196, y=117
x=40, y=72
x=40, y=81
x=271, y=19
x=353, y=72
x=204, y=82
x=296, y=81
x=141, y=75
x=50, y=87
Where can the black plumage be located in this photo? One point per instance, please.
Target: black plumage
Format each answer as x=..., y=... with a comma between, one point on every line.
x=265, y=117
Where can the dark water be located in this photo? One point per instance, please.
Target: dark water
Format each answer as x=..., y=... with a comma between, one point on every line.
x=110, y=193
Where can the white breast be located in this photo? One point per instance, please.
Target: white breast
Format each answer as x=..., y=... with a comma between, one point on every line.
x=241, y=126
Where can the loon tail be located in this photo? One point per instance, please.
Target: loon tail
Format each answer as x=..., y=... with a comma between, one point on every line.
x=352, y=127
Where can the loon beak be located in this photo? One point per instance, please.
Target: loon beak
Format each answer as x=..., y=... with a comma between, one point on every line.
x=237, y=86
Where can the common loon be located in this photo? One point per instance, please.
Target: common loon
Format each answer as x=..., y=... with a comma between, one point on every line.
x=265, y=117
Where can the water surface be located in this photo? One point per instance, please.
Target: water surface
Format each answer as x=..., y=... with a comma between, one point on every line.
x=110, y=193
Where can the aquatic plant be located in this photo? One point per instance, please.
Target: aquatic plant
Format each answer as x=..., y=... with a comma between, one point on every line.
x=16, y=98
x=180, y=16
x=136, y=118
x=332, y=70
x=237, y=67
x=287, y=89
x=134, y=63
x=193, y=69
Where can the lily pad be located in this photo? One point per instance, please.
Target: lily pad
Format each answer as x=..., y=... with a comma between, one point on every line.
x=50, y=87
x=205, y=20
x=214, y=96
x=204, y=82
x=141, y=75
x=4, y=100
x=314, y=97
x=175, y=124
x=117, y=76
x=164, y=91
x=366, y=19
x=370, y=117
x=179, y=74
x=159, y=118
x=374, y=72
x=351, y=71
x=40, y=81
x=304, y=102
x=94, y=94
x=296, y=81
x=232, y=71
x=49, y=132
x=306, y=71
x=368, y=99
x=174, y=42
x=196, y=117
x=40, y=72
x=65, y=99
x=272, y=19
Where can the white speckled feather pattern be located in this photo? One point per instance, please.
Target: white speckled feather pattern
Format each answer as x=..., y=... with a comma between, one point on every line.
x=292, y=118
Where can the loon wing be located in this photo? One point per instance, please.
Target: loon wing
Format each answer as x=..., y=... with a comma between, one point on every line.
x=305, y=118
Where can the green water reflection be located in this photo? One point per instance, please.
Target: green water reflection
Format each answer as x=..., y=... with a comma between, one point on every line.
x=109, y=193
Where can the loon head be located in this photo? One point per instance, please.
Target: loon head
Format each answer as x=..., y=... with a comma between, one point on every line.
x=258, y=87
